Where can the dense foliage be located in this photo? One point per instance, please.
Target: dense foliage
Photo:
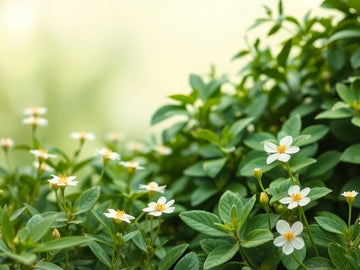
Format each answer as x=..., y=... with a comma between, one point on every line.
x=264, y=171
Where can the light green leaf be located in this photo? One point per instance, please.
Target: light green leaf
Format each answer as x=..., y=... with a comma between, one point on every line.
x=318, y=192
x=100, y=253
x=220, y=255
x=168, y=111
x=203, y=222
x=47, y=266
x=24, y=258
x=335, y=114
x=172, y=256
x=7, y=229
x=256, y=140
x=256, y=238
x=189, y=262
x=41, y=228
x=237, y=127
x=196, y=170
x=345, y=34
x=299, y=163
x=207, y=135
x=87, y=200
x=345, y=93
x=352, y=154
x=245, y=211
x=356, y=121
x=196, y=82
x=62, y=243
x=17, y=213
x=330, y=225
x=214, y=166
x=355, y=59
x=186, y=99
x=227, y=200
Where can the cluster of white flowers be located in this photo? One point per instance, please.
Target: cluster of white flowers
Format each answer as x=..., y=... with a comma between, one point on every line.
x=33, y=116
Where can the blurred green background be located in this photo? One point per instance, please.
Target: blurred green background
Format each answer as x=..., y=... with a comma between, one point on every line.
x=105, y=66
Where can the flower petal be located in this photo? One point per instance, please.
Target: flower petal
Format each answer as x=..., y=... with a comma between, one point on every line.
x=298, y=243
x=169, y=203
x=292, y=150
x=284, y=157
x=286, y=200
x=270, y=147
x=304, y=201
x=156, y=213
x=293, y=205
x=272, y=158
x=279, y=241
x=295, y=189
x=282, y=226
x=288, y=248
x=287, y=141
x=161, y=200
x=304, y=192
x=148, y=209
x=169, y=210
x=297, y=228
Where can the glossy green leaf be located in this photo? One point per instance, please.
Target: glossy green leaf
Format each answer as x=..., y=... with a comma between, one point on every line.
x=298, y=163
x=338, y=257
x=206, y=135
x=325, y=162
x=87, y=200
x=213, y=167
x=319, y=263
x=345, y=34
x=330, y=225
x=189, y=262
x=316, y=133
x=168, y=111
x=335, y=114
x=220, y=255
x=260, y=162
x=318, y=192
x=62, y=243
x=172, y=256
x=356, y=121
x=256, y=238
x=100, y=253
x=352, y=154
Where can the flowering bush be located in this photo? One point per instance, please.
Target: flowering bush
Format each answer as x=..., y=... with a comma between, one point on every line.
x=258, y=174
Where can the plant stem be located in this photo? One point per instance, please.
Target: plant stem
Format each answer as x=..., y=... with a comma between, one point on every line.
x=293, y=181
x=309, y=231
x=157, y=231
x=6, y=153
x=349, y=220
x=298, y=261
x=101, y=175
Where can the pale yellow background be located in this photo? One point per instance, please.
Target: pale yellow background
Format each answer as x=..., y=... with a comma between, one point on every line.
x=108, y=65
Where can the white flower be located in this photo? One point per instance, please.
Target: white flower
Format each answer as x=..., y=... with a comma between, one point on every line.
x=107, y=154
x=35, y=121
x=350, y=196
x=42, y=154
x=6, y=143
x=35, y=111
x=63, y=180
x=82, y=136
x=135, y=147
x=288, y=238
x=280, y=152
x=43, y=166
x=161, y=206
x=297, y=197
x=163, y=150
x=119, y=215
x=132, y=165
x=153, y=186
x=114, y=136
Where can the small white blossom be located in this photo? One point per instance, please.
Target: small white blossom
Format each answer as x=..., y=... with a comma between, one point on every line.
x=119, y=215
x=159, y=207
x=132, y=165
x=35, y=121
x=296, y=197
x=82, y=136
x=42, y=154
x=163, y=150
x=288, y=238
x=153, y=186
x=350, y=195
x=35, y=111
x=43, y=166
x=135, y=146
x=280, y=152
x=107, y=154
x=6, y=143
x=63, y=180
x=114, y=136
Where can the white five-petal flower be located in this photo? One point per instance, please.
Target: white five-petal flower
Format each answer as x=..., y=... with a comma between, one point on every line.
x=107, y=154
x=35, y=111
x=82, y=136
x=119, y=215
x=63, y=180
x=280, y=152
x=131, y=165
x=35, y=121
x=159, y=207
x=135, y=146
x=42, y=154
x=6, y=143
x=163, y=150
x=350, y=196
x=296, y=197
x=288, y=238
x=153, y=186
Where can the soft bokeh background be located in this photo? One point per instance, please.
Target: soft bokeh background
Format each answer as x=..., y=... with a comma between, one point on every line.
x=108, y=65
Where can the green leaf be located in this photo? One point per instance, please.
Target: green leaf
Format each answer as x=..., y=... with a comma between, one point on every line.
x=87, y=200
x=316, y=132
x=24, y=257
x=17, y=213
x=207, y=135
x=240, y=54
x=319, y=263
x=139, y=241
x=245, y=211
x=325, y=162
x=299, y=163
x=291, y=127
x=7, y=229
x=318, y=192
x=256, y=140
x=100, y=253
x=283, y=55
x=203, y=222
x=62, y=243
x=356, y=121
x=274, y=29
x=330, y=225
x=336, y=57
x=352, y=154
x=260, y=162
x=338, y=257
x=47, y=266
x=274, y=73
x=345, y=34
x=289, y=261
x=214, y=166
x=345, y=93
x=189, y=262
x=196, y=170
x=41, y=228
x=335, y=114
x=196, y=82
x=227, y=200
x=208, y=245
x=237, y=127
x=256, y=238
x=82, y=164
x=355, y=59
x=108, y=225
x=168, y=111
x=202, y=193
x=186, y=99
x=220, y=255
x=172, y=256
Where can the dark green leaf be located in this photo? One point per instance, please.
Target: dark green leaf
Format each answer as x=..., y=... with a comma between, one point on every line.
x=47, y=266
x=168, y=111
x=62, y=243
x=172, y=256
x=214, y=166
x=240, y=54
x=189, y=262
x=319, y=263
x=41, y=228
x=352, y=154
x=291, y=127
x=100, y=253
x=325, y=162
x=283, y=55
x=202, y=194
x=337, y=255
x=220, y=255
x=87, y=200
x=256, y=238
x=330, y=225
x=196, y=170
x=318, y=192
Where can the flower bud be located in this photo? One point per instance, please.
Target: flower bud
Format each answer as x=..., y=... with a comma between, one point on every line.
x=257, y=173
x=56, y=234
x=264, y=198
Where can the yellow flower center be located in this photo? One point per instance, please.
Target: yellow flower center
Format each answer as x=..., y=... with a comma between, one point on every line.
x=43, y=152
x=119, y=213
x=63, y=179
x=296, y=197
x=160, y=207
x=35, y=110
x=152, y=186
x=281, y=149
x=350, y=194
x=82, y=134
x=107, y=153
x=289, y=236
